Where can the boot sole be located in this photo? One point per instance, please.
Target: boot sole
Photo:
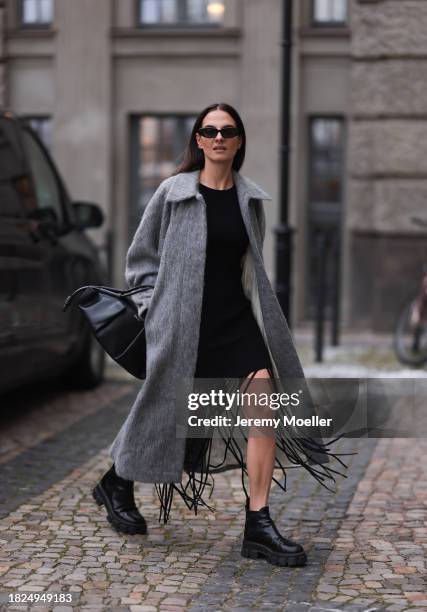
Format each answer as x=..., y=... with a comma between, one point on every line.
x=102, y=500
x=251, y=550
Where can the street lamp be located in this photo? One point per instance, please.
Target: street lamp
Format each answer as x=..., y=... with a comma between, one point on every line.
x=283, y=231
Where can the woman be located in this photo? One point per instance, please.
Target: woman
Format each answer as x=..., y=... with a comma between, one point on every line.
x=210, y=313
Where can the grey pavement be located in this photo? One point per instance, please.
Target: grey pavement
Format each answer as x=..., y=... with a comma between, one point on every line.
x=366, y=542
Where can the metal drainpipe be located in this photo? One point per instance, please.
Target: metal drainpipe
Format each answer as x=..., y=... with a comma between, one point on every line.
x=283, y=231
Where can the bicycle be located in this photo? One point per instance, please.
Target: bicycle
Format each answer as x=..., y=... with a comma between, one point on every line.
x=410, y=337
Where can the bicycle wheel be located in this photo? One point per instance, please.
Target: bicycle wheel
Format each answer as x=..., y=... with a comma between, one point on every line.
x=410, y=338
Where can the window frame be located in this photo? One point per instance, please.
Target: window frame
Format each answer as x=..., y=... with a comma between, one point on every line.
x=311, y=118
x=309, y=220
x=314, y=23
x=176, y=25
x=35, y=25
x=134, y=157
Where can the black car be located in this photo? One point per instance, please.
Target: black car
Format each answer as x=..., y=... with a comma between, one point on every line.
x=44, y=256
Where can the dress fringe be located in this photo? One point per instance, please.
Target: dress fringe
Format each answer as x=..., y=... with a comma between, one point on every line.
x=199, y=470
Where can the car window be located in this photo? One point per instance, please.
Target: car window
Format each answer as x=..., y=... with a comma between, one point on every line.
x=13, y=172
x=46, y=184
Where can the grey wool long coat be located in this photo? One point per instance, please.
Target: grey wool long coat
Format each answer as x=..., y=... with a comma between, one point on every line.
x=168, y=253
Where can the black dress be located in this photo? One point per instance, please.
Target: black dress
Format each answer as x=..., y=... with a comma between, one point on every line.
x=231, y=346
x=230, y=341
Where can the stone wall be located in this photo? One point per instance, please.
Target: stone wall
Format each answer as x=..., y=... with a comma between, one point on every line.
x=387, y=157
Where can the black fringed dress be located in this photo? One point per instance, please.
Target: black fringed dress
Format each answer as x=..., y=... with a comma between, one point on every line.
x=231, y=346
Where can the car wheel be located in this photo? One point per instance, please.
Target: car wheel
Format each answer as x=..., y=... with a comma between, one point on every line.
x=88, y=369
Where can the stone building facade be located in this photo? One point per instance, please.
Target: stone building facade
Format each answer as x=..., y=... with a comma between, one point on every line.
x=387, y=176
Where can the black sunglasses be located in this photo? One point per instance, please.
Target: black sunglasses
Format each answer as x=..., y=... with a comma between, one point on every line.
x=226, y=132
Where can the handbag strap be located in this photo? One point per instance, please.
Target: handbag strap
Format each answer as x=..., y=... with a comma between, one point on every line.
x=108, y=290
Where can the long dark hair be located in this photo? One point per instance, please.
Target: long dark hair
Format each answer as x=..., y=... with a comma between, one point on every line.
x=194, y=158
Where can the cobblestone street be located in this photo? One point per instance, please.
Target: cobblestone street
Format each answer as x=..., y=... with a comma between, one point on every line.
x=366, y=543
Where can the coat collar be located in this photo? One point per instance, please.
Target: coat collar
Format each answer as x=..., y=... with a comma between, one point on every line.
x=185, y=185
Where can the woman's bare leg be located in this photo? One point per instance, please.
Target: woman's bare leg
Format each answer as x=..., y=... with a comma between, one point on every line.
x=260, y=455
x=261, y=536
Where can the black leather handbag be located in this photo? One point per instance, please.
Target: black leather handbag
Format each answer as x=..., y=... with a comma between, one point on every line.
x=114, y=319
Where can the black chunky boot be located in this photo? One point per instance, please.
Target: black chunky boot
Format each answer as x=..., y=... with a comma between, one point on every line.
x=116, y=494
x=262, y=539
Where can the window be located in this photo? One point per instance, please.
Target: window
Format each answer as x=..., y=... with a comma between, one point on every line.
x=36, y=12
x=43, y=127
x=329, y=12
x=15, y=188
x=325, y=157
x=157, y=146
x=325, y=202
x=45, y=181
x=180, y=12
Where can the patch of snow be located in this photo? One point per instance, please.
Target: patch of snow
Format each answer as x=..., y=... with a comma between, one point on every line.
x=357, y=371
